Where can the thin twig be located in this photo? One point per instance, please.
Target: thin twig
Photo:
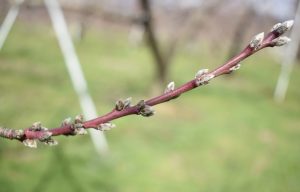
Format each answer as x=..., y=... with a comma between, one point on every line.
x=30, y=135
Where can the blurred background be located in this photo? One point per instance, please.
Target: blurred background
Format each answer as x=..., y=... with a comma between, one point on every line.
x=228, y=136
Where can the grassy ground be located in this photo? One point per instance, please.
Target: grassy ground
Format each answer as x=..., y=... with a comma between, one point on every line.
x=228, y=136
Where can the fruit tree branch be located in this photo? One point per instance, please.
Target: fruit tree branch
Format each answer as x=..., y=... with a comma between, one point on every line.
x=37, y=132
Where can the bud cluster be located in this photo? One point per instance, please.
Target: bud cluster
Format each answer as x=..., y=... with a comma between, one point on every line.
x=77, y=126
x=44, y=137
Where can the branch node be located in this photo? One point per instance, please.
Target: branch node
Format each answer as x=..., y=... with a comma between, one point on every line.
x=46, y=139
x=201, y=72
x=77, y=127
x=202, y=78
x=45, y=136
x=37, y=126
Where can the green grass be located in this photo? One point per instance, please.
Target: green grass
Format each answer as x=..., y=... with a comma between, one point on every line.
x=228, y=136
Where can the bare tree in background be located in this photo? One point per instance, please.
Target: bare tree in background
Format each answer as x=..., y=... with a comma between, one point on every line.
x=164, y=57
x=240, y=31
x=147, y=20
x=3, y=8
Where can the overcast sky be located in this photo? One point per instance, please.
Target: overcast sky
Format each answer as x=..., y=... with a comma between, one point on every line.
x=282, y=9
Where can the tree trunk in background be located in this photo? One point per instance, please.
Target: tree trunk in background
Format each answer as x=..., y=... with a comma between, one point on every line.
x=4, y=6
x=240, y=32
x=298, y=54
x=161, y=64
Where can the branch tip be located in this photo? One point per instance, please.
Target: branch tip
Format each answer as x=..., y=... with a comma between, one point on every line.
x=281, y=28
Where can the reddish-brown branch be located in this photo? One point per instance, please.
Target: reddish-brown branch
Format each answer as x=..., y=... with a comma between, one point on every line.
x=37, y=132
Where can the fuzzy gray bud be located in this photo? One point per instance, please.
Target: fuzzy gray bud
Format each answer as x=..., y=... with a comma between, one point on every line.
x=257, y=40
x=36, y=126
x=170, y=87
x=144, y=109
x=119, y=105
x=236, y=67
x=106, y=126
x=80, y=131
x=127, y=102
x=280, y=41
x=66, y=122
x=147, y=111
x=30, y=143
x=51, y=142
x=78, y=119
x=204, y=79
x=281, y=28
x=201, y=72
